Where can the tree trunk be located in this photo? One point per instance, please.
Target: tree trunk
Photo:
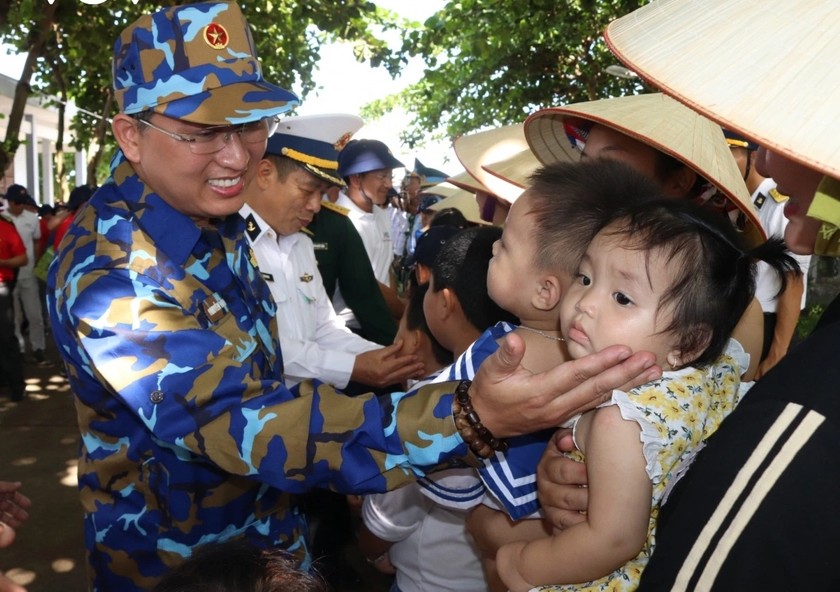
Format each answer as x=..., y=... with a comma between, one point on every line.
x=36, y=47
x=101, y=131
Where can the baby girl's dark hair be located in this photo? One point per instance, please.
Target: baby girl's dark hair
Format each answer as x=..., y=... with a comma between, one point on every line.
x=715, y=275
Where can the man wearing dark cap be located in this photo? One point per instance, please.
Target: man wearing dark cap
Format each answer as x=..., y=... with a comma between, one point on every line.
x=367, y=167
x=27, y=295
x=169, y=336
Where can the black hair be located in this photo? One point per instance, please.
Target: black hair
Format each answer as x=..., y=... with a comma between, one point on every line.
x=285, y=166
x=449, y=217
x=240, y=566
x=569, y=200
x=415, y=320
x=462, y=267
x=715, y=274
x=665, y=165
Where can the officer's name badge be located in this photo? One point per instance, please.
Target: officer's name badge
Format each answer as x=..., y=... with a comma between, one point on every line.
x=214, y=307
x=319, y=246
x=306, y=278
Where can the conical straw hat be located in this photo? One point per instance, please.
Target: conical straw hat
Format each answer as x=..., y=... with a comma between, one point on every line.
x=748, y=65
x=467, y=182
x=658, y=121
x=459, y=199
x=516, y=169
x=478, y=149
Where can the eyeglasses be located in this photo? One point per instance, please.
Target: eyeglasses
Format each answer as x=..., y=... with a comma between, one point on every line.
x=382, y=175
x=213, y=139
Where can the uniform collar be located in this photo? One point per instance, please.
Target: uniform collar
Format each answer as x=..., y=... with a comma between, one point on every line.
x=256, y=228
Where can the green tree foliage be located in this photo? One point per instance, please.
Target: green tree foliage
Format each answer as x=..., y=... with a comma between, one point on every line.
x=70, y=43
x=493, y=62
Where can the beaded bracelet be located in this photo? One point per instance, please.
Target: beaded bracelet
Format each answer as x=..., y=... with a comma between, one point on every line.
x=472, y=431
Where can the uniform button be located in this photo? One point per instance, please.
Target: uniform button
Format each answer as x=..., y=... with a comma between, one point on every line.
x=156, y=397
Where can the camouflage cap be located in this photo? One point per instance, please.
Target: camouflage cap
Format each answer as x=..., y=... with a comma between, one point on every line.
x=195, y=62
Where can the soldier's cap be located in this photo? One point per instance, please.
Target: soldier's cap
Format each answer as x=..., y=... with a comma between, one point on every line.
x=427, y=200
x=18, y=194
x=197, y=63
x=430, y=243
x=736, y=140
x=314, y=142
x=364, y=156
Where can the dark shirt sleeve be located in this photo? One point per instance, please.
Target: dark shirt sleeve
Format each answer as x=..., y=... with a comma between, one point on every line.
x=345, y=263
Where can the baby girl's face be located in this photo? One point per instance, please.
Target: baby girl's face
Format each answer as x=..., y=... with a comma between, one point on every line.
x=615, y=300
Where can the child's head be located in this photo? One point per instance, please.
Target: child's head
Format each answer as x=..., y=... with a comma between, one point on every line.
x=415, y=334
x=550, y=225
x=240, y=567
x=667, y=277
x=460, y=272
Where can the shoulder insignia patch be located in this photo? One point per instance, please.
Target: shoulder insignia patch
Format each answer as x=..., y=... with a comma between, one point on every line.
x=335, y=207
x=778, y=197
x=252, y=228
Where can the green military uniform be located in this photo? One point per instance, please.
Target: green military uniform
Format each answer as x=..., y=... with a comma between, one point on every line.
x=343, y=261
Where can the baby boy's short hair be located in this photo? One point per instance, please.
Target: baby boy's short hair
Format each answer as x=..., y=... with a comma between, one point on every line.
x=462, y=267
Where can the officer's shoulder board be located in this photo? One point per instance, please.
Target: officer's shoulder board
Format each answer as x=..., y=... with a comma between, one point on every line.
x=773, y=194
x=305, y=230
x=335, y=207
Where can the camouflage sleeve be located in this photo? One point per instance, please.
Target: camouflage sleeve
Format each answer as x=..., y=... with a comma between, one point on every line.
x=200, y=389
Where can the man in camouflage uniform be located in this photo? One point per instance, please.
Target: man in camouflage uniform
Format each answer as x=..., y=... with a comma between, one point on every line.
x=168, y=333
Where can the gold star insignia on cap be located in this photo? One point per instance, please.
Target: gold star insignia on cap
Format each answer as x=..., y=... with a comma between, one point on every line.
x=216, y=36
x=342, y=141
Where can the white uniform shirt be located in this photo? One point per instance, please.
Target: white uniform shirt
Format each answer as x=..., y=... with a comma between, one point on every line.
x=314, y=342
x=375, y=230
x=399, y=229
x=772, y=217
x=432, y=550
x=29, y=228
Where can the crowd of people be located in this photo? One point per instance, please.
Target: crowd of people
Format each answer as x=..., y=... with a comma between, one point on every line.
x=580, y=379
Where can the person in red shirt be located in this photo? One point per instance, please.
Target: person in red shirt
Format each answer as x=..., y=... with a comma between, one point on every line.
x=12, y=256
x=78, y=197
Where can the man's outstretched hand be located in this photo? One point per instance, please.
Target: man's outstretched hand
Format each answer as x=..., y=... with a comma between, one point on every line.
x=511, y=400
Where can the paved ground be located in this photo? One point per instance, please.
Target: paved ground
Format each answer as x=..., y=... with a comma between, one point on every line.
x=38, y=446
x=39, y=443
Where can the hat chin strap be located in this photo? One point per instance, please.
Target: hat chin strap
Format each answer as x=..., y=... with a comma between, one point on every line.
x=365, y=195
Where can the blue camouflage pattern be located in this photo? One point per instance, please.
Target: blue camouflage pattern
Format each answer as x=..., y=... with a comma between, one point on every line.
x=509, y=476
x=195, y=62
x=188, y=434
